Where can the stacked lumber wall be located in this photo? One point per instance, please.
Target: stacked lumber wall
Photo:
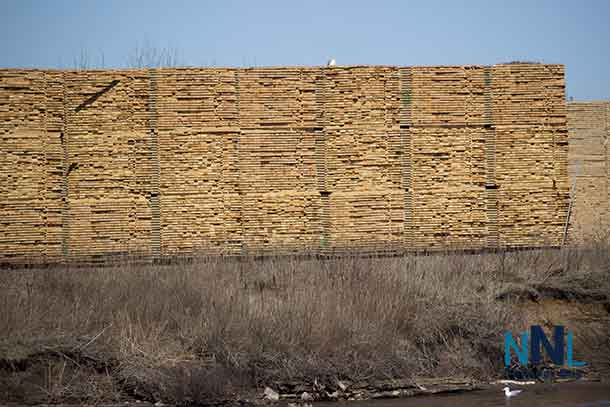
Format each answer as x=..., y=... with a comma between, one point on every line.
x=169, y=161
x=589, y=168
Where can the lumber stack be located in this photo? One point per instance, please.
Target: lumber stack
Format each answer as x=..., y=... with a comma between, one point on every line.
x=106, y=164
x=362, y=192
x=448, y=171
x=25, y=182
x=280, y=202
x=531, y=153
x=198, y=138
x=589, y=167
x=162, y=162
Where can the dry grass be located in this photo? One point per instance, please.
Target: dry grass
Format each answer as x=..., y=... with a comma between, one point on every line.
x=212, y=327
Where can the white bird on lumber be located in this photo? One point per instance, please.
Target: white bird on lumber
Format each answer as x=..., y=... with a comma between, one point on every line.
x=510, y=393
x=331, y=62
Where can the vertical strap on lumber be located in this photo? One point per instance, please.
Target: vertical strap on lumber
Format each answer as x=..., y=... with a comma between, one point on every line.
x=45, y=165
x=242, y=237
x=491, y=191
x=155, y=204
x=132, y=157
x=607, y=147
x=65, y=187
x=322, y=163
x=406, y=93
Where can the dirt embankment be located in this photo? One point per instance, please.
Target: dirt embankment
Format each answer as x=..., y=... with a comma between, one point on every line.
x=220, y=330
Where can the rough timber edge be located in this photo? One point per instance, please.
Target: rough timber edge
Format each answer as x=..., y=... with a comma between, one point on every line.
x=278, y=67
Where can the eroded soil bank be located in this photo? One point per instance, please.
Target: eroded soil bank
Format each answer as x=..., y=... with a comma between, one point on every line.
x=218, y=331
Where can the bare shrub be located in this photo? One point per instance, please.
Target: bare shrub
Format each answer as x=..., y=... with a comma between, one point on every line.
x=204, y=329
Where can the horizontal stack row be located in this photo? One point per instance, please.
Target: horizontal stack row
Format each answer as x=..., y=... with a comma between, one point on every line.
x=589, y=166
x=264, y=160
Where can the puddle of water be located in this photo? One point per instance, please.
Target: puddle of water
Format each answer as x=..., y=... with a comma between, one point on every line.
x=552, y=395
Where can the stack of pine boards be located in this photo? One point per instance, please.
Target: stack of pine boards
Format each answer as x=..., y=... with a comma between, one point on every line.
x=198, y=135
x=361, y=189
x=529, y=114
x=280, y=201
x=164, y=162
x=488, y=155
x=107, y=163
x=589, y=166
x=30, y=166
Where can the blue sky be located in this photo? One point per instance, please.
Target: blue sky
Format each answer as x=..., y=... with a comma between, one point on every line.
x=62, y=33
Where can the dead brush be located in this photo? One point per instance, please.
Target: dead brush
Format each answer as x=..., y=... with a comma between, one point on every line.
x=205, y=328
